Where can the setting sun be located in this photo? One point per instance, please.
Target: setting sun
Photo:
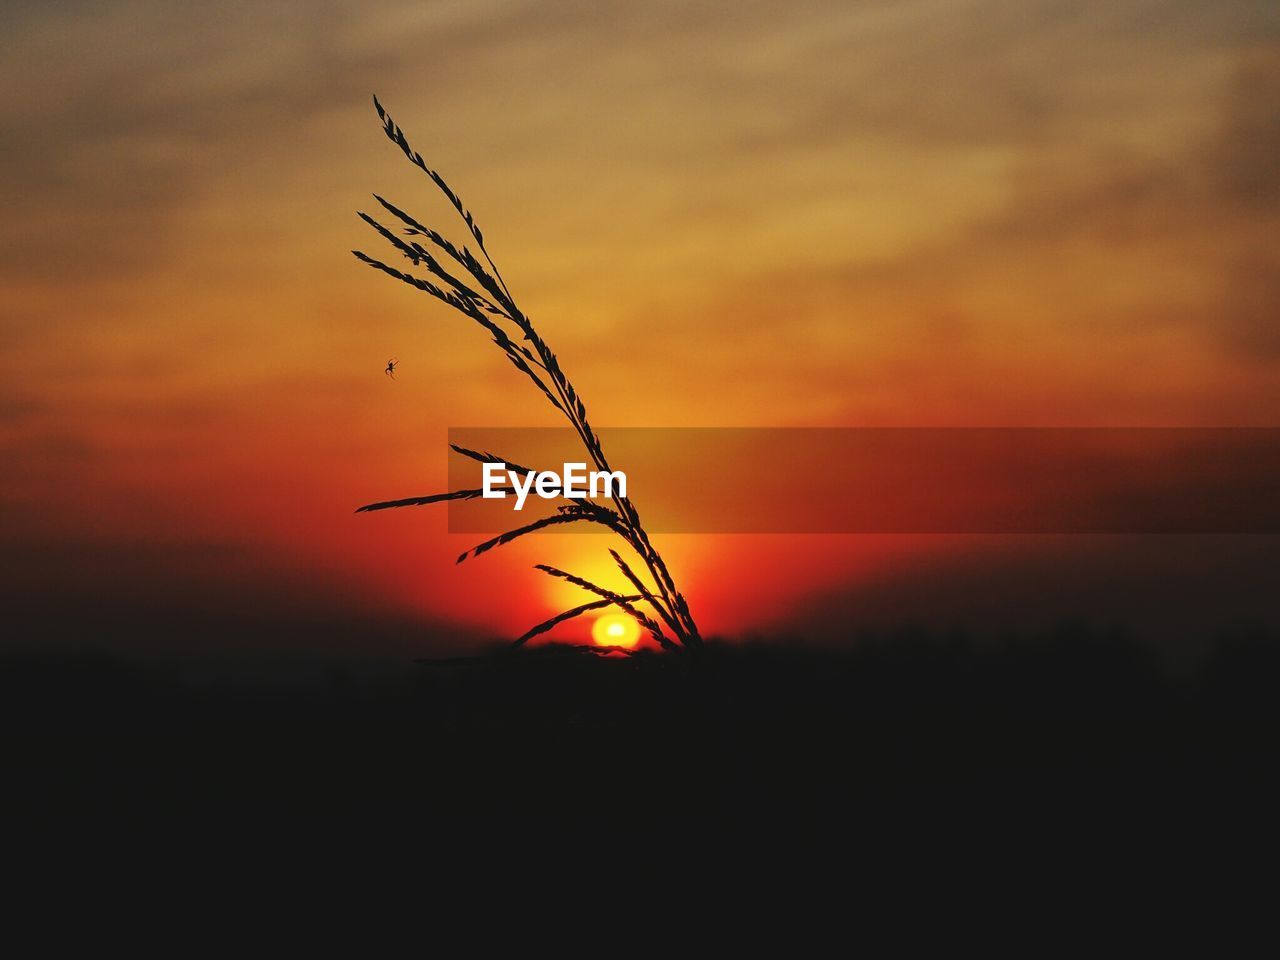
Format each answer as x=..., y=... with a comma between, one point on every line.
x=615, y=630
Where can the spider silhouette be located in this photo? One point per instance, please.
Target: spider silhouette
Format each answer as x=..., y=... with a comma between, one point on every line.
x=391, y=368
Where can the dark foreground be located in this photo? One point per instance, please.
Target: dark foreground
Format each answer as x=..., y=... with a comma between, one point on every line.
x=1073, y=743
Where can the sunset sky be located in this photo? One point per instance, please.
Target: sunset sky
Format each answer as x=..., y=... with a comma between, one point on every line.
x=941, y=213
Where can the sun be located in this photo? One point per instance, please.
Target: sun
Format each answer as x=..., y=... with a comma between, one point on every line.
x=615, y=630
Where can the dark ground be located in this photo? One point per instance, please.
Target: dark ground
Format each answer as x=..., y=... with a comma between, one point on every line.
x=1076, y=745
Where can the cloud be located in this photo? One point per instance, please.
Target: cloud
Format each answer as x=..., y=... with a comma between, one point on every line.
x=1179, y=593
x=1249, y=141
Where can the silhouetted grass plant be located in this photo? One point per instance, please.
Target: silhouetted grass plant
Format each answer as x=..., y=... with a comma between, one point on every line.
x=478, y=292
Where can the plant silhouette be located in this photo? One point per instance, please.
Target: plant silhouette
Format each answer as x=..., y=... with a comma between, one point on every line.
x=485, y=299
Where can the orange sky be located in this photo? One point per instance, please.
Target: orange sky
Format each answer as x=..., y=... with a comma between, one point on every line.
x=941, y=213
